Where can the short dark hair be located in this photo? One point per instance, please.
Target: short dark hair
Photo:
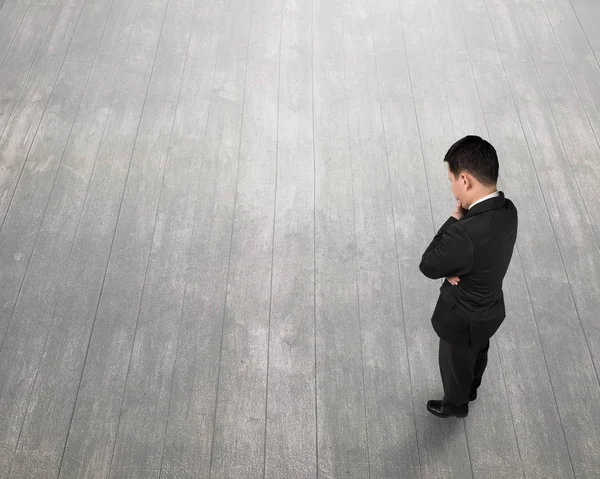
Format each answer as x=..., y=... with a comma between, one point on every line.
x=476, y=156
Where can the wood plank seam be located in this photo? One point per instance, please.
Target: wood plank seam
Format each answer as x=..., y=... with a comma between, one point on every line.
x=560, y=49
x=43, y=112
x=103, y=280
x=48, y=332
x=282, y=5
x=121, y=202
x=560, y=135
x=15, y=35
x=584, y=32
x=55, y=177
x=356, y=267
x=190, y=246
x=28, y=72
x=582, y=199
x=312, y=97
x=395, y=235
x=402, y=27
x=25, y=162
x=231, y=241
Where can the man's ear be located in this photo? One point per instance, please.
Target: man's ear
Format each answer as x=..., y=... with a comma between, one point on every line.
x=466, y=181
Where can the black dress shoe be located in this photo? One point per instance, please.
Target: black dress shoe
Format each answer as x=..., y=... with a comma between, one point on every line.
x=437, y=408
x=473, y=395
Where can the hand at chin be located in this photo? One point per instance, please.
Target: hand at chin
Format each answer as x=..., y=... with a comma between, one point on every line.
x=459, y=211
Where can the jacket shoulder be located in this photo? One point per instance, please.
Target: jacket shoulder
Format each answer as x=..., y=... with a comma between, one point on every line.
x=510, y=205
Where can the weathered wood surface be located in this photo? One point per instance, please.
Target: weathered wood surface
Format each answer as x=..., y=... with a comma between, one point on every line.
x=211, y=218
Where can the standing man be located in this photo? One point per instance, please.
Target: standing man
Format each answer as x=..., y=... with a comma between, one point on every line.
x=472, y=250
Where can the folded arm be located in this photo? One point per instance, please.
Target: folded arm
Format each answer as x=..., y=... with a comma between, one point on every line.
x=449, y=254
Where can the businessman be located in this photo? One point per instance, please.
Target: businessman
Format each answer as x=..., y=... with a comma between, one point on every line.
x=472, y=251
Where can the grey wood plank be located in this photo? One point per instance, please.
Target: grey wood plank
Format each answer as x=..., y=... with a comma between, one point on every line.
x=341, y=418
x=240, y=418
x=20, y=60
x=492, y=441
x=443, y=445
x=35, y=310
x=92, y=29
x=61, y=27
x=20, y=134
x=291, y=436
x=55, y=387
x=55, y=237
x=30, y=29
x=120, y=28
x=57, y=231
x=588, y=12
x=23, y=221
x=582, y=150
x=578, y=55
x=560, y=305
x=36, y=184
x=542, y=444
x=114, y=34
x=71, y=186
x=172, y=256
x=19, y=233
x=413, y=225
x=11, y=16
x=78, y=160
x=14, y=149
x=22, y=127
x=567, y=108
x=19, y=236
x=54, y=43
x=94, y=425
x=391, y=426
x=537, y=423
x=214, y=141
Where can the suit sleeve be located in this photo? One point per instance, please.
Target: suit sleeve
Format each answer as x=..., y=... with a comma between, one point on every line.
x=449, y=254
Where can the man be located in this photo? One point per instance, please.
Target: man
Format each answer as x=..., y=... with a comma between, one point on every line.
x=472, y=250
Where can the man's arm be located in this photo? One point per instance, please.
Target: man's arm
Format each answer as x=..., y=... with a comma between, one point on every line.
x=449, y=254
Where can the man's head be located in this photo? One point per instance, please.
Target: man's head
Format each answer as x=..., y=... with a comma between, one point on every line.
x=472, y=169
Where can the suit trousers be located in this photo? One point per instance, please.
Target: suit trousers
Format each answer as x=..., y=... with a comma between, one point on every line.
x=462, y=368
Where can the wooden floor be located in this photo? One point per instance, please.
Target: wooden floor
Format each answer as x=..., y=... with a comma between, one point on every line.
x=212, y=214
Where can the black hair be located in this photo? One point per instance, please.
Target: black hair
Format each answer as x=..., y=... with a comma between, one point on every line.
x=476, y=156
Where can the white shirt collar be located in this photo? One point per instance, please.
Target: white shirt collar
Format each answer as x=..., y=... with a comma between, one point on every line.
x=492, y=195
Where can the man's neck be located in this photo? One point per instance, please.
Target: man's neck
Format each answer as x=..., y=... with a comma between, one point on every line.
x=483, y=194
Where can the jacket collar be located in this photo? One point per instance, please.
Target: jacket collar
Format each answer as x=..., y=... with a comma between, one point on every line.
x=490, y=204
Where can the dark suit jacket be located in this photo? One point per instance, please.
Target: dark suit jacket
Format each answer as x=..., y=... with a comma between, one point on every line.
x=478, y=249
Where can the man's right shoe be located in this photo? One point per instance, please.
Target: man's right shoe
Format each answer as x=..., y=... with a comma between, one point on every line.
x=439, y=409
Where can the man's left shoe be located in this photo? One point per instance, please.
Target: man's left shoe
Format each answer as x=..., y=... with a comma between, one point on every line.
x=439, y=409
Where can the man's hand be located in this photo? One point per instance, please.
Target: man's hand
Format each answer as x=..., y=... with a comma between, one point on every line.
x=459, y=212
x=453, y=280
